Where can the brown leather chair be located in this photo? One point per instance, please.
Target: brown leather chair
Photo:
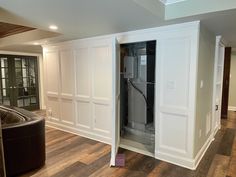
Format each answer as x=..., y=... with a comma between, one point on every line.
x=23, y=140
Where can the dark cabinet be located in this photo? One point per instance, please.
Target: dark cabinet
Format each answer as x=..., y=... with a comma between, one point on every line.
x=19, y=81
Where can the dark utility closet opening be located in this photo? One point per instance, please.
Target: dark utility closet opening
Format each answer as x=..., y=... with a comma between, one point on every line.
x=137, y=85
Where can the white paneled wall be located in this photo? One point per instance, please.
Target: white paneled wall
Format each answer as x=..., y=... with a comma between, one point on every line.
x=176, y=95
x=78, y=76
x=79, y=87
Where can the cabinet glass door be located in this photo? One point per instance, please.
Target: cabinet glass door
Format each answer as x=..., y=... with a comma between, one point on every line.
x=5, y=90
x=22, y=82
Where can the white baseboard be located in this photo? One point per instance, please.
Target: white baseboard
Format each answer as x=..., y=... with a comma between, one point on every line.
x=176, y=160
x=216, y=130
x=203, y=150
x=190, y=163
x=77, y=131
x=231, y=108
x=183, y=161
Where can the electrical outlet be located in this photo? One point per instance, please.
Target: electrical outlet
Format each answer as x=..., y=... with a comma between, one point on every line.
x=200, y=133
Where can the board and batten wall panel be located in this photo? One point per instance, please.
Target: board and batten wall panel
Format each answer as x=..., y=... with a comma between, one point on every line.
x=175, y=91
x=67, y=111
x=175, y=96
x=52, y=72
x=83, y=88
x=53, y=108
x=101, y=88
x=51, y=61
x=67, y=86
x=67, y=72
x=83, y=100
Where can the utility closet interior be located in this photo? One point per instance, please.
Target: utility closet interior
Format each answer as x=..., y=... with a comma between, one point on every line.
x=137, y=85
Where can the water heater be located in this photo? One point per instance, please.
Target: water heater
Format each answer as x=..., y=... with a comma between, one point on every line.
x=130, y=67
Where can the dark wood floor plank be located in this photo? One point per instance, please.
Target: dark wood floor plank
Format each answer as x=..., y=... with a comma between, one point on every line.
x=91, y=157
x=232, y=165
x=57, y=163
x=219, y=166
x=69, y=155
x=225, y=147
x=59, y=139
x=78, y=141
x=106, y=170
x=74, y=169
x=205, y=164
x=94, y=166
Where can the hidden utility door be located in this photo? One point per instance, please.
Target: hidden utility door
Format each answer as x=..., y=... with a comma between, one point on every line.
x=19, y=81
x=137, y=83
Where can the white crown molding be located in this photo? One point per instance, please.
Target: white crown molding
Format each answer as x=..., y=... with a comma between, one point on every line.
x=168, y=2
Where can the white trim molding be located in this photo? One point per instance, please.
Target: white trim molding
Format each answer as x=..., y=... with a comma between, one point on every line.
x=231, y=108
x=185, y=161
x=87, y=134
x=202, y=151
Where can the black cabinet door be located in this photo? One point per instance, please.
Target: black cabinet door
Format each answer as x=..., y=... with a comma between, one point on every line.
x=19, y=81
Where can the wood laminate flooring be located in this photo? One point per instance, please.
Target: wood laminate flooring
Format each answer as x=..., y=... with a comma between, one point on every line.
x=69, y=155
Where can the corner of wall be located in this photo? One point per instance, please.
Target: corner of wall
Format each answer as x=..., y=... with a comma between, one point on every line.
x=205, y=78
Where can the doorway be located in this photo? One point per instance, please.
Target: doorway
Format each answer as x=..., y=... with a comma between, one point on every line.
x=137, y=85
x=19, y=81
x=226, y=83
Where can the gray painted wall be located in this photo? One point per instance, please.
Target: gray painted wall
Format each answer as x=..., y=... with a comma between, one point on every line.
x=204, y=94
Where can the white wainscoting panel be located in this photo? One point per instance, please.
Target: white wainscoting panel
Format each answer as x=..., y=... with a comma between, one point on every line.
x=102, y=118
x=175, y=72
x=52, y=72
x=88, y=111
x=53, y=108
x=83, y=114
x=67, y=72
x=102, y=77
x=67, y=111
x=168, y=128
x=102, y=88
x=80, y=87
x=174, y=66
x=175, y=103
x=83, y=70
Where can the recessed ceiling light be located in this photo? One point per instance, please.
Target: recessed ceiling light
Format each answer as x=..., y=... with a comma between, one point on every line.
x=53, y=27
x=36, y=43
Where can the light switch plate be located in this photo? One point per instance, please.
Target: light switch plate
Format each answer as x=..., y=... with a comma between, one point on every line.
x=201, y=84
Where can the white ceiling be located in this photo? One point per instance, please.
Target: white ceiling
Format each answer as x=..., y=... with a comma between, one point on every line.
x=167, y=2
x=85, y=18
